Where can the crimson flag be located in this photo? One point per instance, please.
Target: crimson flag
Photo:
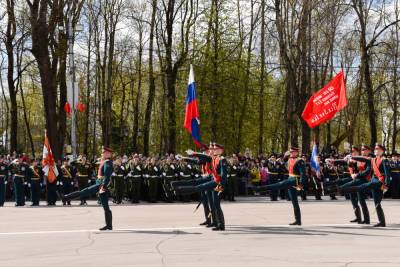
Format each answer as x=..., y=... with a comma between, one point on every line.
x=324, y=104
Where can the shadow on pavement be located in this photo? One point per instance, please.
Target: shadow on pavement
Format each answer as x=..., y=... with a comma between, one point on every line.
x=151, y=232
x=299, y=231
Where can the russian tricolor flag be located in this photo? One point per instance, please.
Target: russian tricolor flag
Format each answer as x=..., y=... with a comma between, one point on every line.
x=192, y=122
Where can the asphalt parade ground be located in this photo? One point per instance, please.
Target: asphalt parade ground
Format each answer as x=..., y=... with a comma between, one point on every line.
x=162, y=234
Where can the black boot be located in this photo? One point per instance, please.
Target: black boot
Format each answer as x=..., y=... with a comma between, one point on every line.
x=221, y=222
x=366, y=215
x=297, y=216
x=381, y=217
x=357, y=212
x=68, y=197
x=108, y=217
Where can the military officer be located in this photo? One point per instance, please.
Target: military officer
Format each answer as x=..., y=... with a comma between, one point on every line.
x=152, y=178
x=68, y=175
x=232, y=176
x=293, y=184
x=118, y=178
x=169, y=174
x=135, y=179
x=84, y=170
x=379, y=182
x=101, y=187
x=20, y=177
x=35, y=180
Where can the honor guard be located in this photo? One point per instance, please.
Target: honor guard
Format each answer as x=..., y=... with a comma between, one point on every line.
x=379, y=182
x=118, y=180
x=84, y=170
x=67, y=180
x=293, y=184
x=169, y=174
x=20, y=177
x=215, y=186
x=152, y=178
x=3, y=180
x=135, y=180
x=231, y=187
x=35, y=181
x=101, y=187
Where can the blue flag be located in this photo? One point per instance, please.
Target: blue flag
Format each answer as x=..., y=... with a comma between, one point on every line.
x=314, y=162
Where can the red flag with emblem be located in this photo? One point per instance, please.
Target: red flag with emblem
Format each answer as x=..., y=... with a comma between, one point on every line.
x=324, y=104
x=49, y=166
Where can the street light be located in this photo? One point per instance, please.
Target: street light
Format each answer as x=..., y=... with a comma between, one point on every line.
x=71, y=37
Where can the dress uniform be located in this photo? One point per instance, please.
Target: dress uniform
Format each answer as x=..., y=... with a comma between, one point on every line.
x=134, y=180
x=214, y=186
x=35, y=181
x=118, y=178
x=232, y=176
x=360, y=174
x=200, y=177
x=152, y=178
x=20, y=177
x=3, y=180
x=170, y=172
x=101, y=187
x=67, y=180
x=293, y=184
x=84, y=171
x=379, y=182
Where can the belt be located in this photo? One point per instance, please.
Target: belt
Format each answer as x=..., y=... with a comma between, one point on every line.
x=274, y=173
x=2, y=176
x=80, y=175
x=232, y=175
x=294, y=175
x=35, y=179
x=396, y=171
x=136, y=176
x=169, y=176
x=18, y=175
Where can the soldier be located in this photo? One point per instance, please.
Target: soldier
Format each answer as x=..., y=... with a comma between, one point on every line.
x=379, y=182
x=20, y=171
x=68, y=175
x=152, y=177
x=84, y=170
x=394, y=186
x=134, y=179
x=3, y=180
x=331, y=175
x=36, y=178
x=293, y=183
x=118, y=178
x=316, y=178
x=214, y=186
x=273, y=168
x=169, y=174
x=101, y=187
x=233, y=171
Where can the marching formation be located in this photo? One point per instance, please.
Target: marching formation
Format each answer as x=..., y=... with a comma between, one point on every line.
x=208, y=177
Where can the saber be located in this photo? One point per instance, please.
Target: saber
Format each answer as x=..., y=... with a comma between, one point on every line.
x=197, y=207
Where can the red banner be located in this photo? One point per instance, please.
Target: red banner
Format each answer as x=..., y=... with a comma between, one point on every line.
x=324, y=104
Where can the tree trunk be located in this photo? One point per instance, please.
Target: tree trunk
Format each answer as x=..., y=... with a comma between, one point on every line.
x=152, y=85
